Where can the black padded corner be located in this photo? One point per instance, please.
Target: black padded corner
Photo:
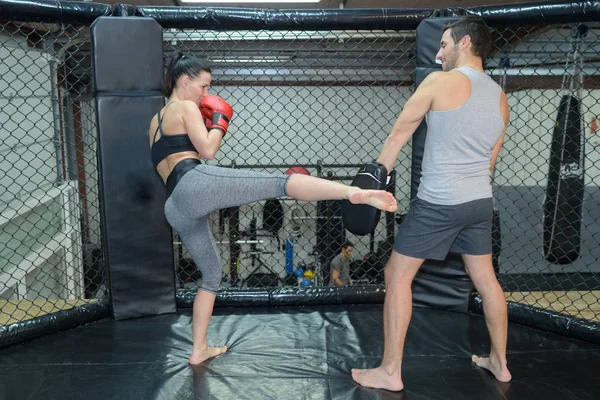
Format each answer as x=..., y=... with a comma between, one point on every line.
x=127, y=54
x=138, y=240
x=429, y=34
x=443, y=285
x=439, y=284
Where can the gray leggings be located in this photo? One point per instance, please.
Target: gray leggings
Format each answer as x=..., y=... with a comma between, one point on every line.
x=205, y=189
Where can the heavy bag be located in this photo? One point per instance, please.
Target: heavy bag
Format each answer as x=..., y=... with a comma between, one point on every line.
x=273, y=216
x=564, y=192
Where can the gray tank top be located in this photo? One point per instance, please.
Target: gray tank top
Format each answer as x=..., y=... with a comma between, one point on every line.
x=459, y=143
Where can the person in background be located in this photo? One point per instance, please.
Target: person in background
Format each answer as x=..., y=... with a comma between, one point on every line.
x=340, y=266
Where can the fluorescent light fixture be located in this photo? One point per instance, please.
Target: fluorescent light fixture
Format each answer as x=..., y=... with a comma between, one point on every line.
x=250, y=1
x=190, y=35
x=268, y=59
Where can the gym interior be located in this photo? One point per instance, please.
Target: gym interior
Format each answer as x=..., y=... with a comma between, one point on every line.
x=96, y=290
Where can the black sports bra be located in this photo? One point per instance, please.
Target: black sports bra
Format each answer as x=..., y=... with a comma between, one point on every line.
x=168, y=144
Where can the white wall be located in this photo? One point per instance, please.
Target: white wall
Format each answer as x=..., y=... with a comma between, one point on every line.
x=525, y=154
x=521, y=177
x=39, y=233
x=271, y=125
x=299, y=125
x=27, y=150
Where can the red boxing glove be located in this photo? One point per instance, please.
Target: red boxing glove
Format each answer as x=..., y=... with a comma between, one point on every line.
x=216, y=113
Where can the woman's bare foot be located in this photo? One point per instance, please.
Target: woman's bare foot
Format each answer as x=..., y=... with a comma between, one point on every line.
x=380, y=199
x=378, y=378
x=199, y=356
x=497, y=368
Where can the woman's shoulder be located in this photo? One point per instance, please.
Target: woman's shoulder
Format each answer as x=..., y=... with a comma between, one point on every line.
x=184, y=105
x=177, y=107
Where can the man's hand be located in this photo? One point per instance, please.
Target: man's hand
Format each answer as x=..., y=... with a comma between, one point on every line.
x=335, y=277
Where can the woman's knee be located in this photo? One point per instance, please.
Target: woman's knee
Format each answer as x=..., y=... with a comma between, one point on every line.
x=211, y=279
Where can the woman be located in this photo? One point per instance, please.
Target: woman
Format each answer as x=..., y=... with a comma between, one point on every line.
x=179, y=139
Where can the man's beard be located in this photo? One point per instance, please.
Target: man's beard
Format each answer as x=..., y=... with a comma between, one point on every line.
x=451, y=62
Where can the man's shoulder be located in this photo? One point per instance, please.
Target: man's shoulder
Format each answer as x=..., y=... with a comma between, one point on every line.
x=452, y=81
x=338, y=260
x=444, y=80
x=434, y=78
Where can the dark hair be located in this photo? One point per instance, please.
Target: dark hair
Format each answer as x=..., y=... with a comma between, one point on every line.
x=179, y=65
x=478, y=31
x=347, y=244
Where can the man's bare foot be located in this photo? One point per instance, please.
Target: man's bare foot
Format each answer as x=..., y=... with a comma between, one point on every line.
x=378, y=378
x=380, y=199
x=199, y=356
x=495, y=367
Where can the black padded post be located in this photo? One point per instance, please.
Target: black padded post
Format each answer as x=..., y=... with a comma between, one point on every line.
x=138, y=244
x=439, y=284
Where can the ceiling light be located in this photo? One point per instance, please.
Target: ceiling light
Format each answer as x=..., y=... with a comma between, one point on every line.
x=185, y=36
x=271, y=59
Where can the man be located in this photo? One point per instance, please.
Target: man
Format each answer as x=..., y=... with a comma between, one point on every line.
x=467, y=114
x=340, y=266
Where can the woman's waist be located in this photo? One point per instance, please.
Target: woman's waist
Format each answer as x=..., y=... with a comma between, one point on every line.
x=179, y=170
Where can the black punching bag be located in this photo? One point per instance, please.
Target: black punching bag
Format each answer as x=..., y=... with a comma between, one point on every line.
x=564, y=192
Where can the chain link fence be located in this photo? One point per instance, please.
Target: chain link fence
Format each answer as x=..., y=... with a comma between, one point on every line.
x=547, y=178
x=317, y=102
x=312, y=102
x=323, y=103
x=50, y=240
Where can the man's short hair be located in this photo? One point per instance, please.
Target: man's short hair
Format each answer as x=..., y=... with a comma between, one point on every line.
x=478, y=31
x=347, y=244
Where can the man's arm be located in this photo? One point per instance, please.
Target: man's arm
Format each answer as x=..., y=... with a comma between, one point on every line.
x=505, y=111
x=336, y=270
x=411, y=116
x=335, y=277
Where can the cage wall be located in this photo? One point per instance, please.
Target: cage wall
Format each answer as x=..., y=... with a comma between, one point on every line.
x=323, y=99
x=51, y=260
x=309, y=97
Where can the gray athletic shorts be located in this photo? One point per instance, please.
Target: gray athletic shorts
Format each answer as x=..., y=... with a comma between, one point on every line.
x=431, y=231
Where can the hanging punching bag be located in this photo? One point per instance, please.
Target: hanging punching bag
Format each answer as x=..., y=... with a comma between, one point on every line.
x=564, y=192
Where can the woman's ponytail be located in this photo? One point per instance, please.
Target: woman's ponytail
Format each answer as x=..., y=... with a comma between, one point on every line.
x=170, y=76
x=182, y=65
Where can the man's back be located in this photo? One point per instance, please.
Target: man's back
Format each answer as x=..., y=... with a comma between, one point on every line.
x=460, y=139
